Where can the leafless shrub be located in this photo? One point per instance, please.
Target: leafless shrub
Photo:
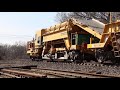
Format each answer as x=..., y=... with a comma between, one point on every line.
x=16, y=51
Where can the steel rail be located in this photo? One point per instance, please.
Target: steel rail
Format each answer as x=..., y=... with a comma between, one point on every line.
x=23, y=73
x=78, y=74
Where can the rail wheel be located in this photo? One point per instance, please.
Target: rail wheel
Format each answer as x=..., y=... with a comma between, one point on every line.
x=33, y=59
x=100, y=56
x=75, y=56
x=71, y=55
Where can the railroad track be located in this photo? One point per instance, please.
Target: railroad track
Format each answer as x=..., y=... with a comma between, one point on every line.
x=50, y=73
x=73, y=74
x=31, y=71
x=21, y=74
x=17, y=72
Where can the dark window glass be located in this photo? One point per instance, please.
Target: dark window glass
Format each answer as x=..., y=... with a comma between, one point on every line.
x=73, y=39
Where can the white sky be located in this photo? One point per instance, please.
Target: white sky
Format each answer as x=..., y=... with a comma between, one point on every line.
x=21, y=26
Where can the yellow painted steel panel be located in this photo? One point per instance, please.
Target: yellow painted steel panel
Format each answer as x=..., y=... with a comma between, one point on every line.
x=67, y=43
x=89, y=45
x=60, y=49
x=55, y=36
x=75, y=47
x=56, y=27
x=96, y=45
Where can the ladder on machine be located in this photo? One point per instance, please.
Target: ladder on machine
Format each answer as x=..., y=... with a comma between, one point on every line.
x=115, y=44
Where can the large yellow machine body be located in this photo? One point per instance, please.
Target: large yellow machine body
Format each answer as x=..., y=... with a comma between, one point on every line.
x=60, y=34
x=60, y=37
x=61, y=31
x=109, y=30
x=57, y=32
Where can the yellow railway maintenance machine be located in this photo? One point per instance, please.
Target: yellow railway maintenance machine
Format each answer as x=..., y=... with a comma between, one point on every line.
x=76, y=40
x=108, y=47
x=30, y=48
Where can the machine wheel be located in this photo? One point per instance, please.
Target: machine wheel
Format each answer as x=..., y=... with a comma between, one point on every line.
x=71, y=56
x=100, y=56
x=33, y=59
x=75, y=56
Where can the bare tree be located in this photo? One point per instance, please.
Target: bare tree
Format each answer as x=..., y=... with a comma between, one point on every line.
x=62, y=16
x=16, y=51
x=101, y=16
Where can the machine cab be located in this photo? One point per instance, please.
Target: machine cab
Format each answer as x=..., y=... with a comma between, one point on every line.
x=81, y=39
x=78, y=39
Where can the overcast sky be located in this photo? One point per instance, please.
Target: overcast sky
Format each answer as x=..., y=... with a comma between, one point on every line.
x=21, y=26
